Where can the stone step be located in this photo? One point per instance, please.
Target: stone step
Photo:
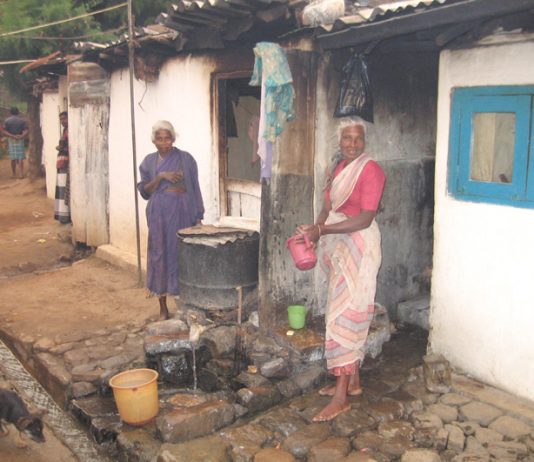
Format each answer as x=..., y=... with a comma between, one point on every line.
x=519, y=408
x=415, y=311
x=185, y=423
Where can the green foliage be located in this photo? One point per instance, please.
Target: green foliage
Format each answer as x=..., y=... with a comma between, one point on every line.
x=144, y=11
x=20, y=14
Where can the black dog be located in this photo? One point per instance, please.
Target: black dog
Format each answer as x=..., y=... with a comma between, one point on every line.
x=14, y=411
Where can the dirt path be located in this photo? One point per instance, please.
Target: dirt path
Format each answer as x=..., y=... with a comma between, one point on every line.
x=44, y=294
x=42, y=291
x=30, y=238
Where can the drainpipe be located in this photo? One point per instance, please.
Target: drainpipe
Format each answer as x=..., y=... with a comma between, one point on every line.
x=134, y=150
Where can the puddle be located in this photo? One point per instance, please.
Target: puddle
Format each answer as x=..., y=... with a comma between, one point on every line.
x=62, y=424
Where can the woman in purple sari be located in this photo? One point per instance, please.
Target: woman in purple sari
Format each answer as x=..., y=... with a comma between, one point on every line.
x=169, y=181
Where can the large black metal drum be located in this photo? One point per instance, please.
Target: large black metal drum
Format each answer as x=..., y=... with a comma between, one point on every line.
x=213, y=262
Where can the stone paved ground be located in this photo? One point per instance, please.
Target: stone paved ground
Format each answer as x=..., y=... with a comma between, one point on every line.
x=396, y=418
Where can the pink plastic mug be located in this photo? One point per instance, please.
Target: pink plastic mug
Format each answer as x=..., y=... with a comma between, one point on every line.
x=302, y=252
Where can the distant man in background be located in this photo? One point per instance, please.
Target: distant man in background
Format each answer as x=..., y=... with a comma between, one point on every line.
x=16, y=130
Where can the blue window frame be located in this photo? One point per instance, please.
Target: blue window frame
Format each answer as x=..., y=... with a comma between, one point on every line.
x=491, y=153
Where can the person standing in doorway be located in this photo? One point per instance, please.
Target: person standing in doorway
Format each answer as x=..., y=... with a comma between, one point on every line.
x=62, y=210
x=16, y=130
x=350, y=257
x=169, y=181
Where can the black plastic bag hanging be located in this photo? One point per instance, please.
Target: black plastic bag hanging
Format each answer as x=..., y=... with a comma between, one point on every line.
x=355, y=96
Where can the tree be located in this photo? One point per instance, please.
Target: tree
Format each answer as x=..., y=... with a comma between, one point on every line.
x=21, y=14
x=144, y=11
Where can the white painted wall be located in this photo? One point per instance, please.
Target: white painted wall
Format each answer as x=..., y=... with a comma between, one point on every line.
x=51, y=130
x=482, y=312
x=52, y=104
x=182, y=96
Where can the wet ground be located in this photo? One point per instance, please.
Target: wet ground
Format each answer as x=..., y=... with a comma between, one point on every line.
x=50, y=310
x=396, y=418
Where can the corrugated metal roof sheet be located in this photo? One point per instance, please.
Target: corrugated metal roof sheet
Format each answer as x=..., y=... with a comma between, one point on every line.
x=198, y=24
x=201, y=24
x=389, y=20
x=153, y=33
x=225, y=20
x=214, y=24
x=366, y=15
x=186, y=15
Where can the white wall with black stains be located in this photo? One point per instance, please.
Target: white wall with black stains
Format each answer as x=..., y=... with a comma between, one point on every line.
x=482, y=301
x=181, y=95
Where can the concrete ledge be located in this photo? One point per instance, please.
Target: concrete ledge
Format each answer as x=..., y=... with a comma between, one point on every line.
x=120, y=258
x=520, y=408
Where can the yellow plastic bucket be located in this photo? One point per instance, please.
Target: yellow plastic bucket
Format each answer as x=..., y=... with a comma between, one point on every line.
x=296, y=315
x=136, y=395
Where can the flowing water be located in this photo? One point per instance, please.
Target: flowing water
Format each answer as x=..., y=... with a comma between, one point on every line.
x=63, y=426
x=193, y=349
x=194, y=336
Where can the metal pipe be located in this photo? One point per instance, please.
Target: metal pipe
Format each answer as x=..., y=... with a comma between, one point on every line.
x=238, y=337
x=134, y=151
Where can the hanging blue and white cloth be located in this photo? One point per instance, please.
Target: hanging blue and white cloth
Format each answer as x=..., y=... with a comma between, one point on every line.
x=271, y=71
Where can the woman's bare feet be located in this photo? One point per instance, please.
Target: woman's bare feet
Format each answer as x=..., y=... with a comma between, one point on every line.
x=329, y=390
x=163, y=316
x=163, y=311
x=332, y=410
x=353, y=387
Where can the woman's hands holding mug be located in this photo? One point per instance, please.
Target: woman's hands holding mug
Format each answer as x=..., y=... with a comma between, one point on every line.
x=312, y=231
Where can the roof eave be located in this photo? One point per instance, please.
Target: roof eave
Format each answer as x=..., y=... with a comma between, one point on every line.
x=420, y=20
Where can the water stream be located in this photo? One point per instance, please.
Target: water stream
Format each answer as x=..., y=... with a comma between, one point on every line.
x=193, y=349
x=194, y=336
x=62, y=424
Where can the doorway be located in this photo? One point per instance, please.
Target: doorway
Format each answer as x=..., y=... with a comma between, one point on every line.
x=238, y=109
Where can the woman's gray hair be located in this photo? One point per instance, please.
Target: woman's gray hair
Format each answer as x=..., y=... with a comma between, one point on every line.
x=163, y=125
x=338, y=156
x=349, y=122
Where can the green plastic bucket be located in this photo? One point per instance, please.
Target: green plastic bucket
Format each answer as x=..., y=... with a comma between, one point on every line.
x=296, y=315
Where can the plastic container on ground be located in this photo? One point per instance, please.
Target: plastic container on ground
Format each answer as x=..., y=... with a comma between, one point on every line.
x=136, y=395
x=296, y=315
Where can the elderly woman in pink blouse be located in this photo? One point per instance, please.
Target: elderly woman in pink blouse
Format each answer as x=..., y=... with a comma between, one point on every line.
x=349, y=244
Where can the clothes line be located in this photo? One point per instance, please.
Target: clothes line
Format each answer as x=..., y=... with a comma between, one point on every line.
x=62, y=21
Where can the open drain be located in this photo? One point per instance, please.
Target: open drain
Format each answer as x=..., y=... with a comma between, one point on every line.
x=63, y=425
